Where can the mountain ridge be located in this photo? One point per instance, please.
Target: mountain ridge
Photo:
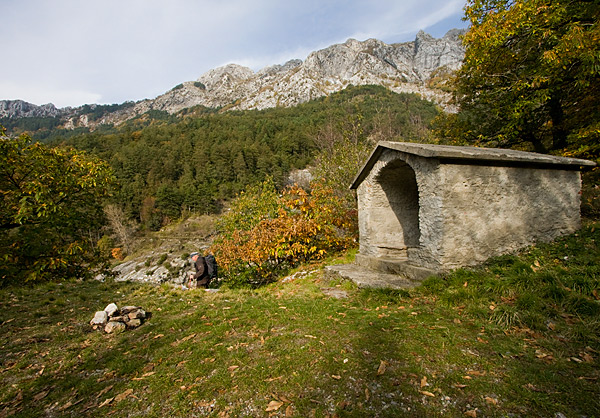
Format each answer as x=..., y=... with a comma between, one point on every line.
x=419, y=66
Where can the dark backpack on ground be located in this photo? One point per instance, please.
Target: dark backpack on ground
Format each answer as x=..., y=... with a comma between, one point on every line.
x=211, y=265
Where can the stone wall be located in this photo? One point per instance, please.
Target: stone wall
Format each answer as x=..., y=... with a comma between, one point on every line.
x=489, y=211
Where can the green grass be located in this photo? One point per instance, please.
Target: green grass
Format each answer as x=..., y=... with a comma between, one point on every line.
x=517, y=337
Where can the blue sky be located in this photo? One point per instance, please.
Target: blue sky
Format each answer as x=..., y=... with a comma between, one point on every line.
x=72, y=52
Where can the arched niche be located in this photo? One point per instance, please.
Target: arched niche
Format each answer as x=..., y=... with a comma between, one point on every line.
x=395, y=212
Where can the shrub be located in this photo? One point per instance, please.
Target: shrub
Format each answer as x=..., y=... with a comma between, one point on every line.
x=265, y=234
x=161, y=259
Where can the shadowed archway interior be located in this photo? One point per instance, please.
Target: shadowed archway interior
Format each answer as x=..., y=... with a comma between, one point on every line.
x=399, y=227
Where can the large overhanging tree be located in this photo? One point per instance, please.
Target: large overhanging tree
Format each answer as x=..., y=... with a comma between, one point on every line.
x=530, y=77
x=51, y=207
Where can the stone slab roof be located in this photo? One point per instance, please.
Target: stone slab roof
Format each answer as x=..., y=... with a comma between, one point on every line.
x=448, y=154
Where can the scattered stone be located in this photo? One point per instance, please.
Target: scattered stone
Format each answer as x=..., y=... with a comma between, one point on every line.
x=297, y=275
x=133, y=323
x=111, y=309
x=114, y=327
x=127, y=309
x=118, y=320
x=100, y=318
x=139, y=313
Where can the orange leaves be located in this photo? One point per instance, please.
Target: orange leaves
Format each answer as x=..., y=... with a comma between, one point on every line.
x=303, y=227
x=117, y=253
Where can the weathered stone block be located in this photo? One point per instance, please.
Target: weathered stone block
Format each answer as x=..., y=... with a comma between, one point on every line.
x=100, y=318
x=114, y=327
x=127, y=309
x=111, y=309
x=133, y=323
x=139, y=313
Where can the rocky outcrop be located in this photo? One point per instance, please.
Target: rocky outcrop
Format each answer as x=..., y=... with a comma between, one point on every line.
x=22, y=109
x=404, y=67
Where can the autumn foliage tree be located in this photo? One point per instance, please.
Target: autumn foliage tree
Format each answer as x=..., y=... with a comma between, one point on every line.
x=265, y=233
x=50, y=210
x=530, y=77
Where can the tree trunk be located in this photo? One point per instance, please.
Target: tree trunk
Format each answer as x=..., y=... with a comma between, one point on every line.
x=555, y=111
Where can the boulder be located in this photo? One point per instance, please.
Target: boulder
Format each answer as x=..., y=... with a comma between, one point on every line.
x=127, y=309
x=111, y=309
x=114, y=327
x=133, y=323
x=137, y=314
x=100, y=318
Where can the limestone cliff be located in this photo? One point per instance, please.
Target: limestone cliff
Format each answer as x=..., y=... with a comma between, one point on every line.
x=22, y=109
x=403, y=67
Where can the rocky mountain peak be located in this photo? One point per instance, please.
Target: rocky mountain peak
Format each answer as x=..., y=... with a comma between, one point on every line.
x=225, y=76
x=402, y=67
x=22, y=109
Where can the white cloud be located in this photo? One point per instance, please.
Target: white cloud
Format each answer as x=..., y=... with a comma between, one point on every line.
x=42, y=94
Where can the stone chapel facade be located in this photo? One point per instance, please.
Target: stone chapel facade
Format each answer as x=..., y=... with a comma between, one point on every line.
x=425, y=209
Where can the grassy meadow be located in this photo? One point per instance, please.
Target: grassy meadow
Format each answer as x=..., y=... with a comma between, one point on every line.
x=518, y=337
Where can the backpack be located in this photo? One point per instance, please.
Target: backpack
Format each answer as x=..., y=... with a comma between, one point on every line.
x=211, y=264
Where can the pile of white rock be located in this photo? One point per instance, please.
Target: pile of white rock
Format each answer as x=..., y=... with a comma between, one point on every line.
x=112, y=319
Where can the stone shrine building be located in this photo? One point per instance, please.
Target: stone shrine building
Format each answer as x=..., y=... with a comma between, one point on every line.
x=425, y=209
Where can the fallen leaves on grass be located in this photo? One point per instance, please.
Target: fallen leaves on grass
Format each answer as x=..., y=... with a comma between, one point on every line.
x=41, y=395
x=547, y=358
x=145, y=375
x=106, y=402
x=381, y=368
x=289, y=411
x=122, y=396
x=274, y=406
x=103, y=391
x=533, y=388
x=184, y=339
x=475, y=373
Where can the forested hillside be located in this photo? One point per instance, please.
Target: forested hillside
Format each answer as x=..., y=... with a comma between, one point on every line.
x=191, y=161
